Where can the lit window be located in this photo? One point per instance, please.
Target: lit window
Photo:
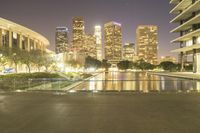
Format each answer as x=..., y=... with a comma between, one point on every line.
x=14, y=35
x=189, y=43
x=198, y=40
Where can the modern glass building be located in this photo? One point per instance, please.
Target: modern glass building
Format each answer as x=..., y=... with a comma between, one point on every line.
x=113, y=42
x=62, y=43
x=129, y=52
x=99, y=44
x=78, y=33
x=147, y=43
x=15, y=35
x=90, y=47
x=187, y=15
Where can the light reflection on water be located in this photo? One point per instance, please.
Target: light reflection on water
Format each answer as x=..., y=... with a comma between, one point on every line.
x=141, y=82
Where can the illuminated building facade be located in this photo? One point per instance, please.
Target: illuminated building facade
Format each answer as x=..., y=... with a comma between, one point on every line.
x=129, y=52
x=99, y=46
x=89, y=47
x=78, y=33
x=147, y=43
x=187, y=16
x=168, y=59
x=113, y=42
x=14, y=35
x=62, y=43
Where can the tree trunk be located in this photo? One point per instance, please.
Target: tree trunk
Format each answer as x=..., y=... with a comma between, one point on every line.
x=29, y=68
x=16, y=68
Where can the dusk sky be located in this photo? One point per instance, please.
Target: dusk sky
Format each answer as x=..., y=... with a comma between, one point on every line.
x=44, y=16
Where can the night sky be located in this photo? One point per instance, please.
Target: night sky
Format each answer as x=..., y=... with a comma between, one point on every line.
x=44, y=16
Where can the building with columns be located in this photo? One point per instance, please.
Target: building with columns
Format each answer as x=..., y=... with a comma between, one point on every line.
x=15, y=35
x=187, y=15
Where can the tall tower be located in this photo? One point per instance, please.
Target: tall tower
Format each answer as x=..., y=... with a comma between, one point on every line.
x=113, y=42
x=90, y=48
x=147, y=43
x=62, y=43
x=99, y=47
x=78, y=34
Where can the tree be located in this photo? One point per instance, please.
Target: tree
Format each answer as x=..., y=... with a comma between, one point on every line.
x=124, y=65
x=169, y=66
x=13, y=54
x=92, y=63
x=47, y=61
x=38, y=59
x=27, y=58
x=3, y=61
x=105, y=64
x=141, y=64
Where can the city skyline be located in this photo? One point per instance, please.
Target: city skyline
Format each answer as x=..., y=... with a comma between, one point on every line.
x=131, y=14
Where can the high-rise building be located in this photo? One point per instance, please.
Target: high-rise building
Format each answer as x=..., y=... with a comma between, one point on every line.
x=62, y=43
x=113, y=42
x=99, y=46
x=147, y=43
x=187, y=15
x=78, y=33
x=129, y=52
x=89, y=47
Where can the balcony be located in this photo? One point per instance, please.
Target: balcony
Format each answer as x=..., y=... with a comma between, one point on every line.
x=181, y=6
x=187, y=12
x=186, y=49
x=187, y=36
x=174, y=1
x=187, y=25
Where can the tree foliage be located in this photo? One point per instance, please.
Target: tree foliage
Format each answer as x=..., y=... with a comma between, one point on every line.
x=92, y=63
x=124, y=65
x=31, y=58
x=169, y=66
x=141, y=64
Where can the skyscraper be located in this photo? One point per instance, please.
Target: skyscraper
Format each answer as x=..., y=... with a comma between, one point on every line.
x=99, y=47
x=129, y=52
x=187, y=15
x=147, y=43
x=78, y=34
x=62, y=43
x=89, y=46
x=113, y=42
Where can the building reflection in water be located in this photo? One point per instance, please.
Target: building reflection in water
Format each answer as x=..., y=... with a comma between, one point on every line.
x=142, y=82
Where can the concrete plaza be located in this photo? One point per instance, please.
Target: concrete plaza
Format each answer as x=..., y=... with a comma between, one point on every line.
x=99, y=113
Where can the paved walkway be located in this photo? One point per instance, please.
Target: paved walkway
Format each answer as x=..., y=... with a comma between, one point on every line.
x=99, y=113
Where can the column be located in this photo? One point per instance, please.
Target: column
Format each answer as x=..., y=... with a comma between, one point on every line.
x=10, y=39
x=194, y=60
x=20, y=41
x=28, y=40
x=35, y=43
x=182, y=61
x=1, y=38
